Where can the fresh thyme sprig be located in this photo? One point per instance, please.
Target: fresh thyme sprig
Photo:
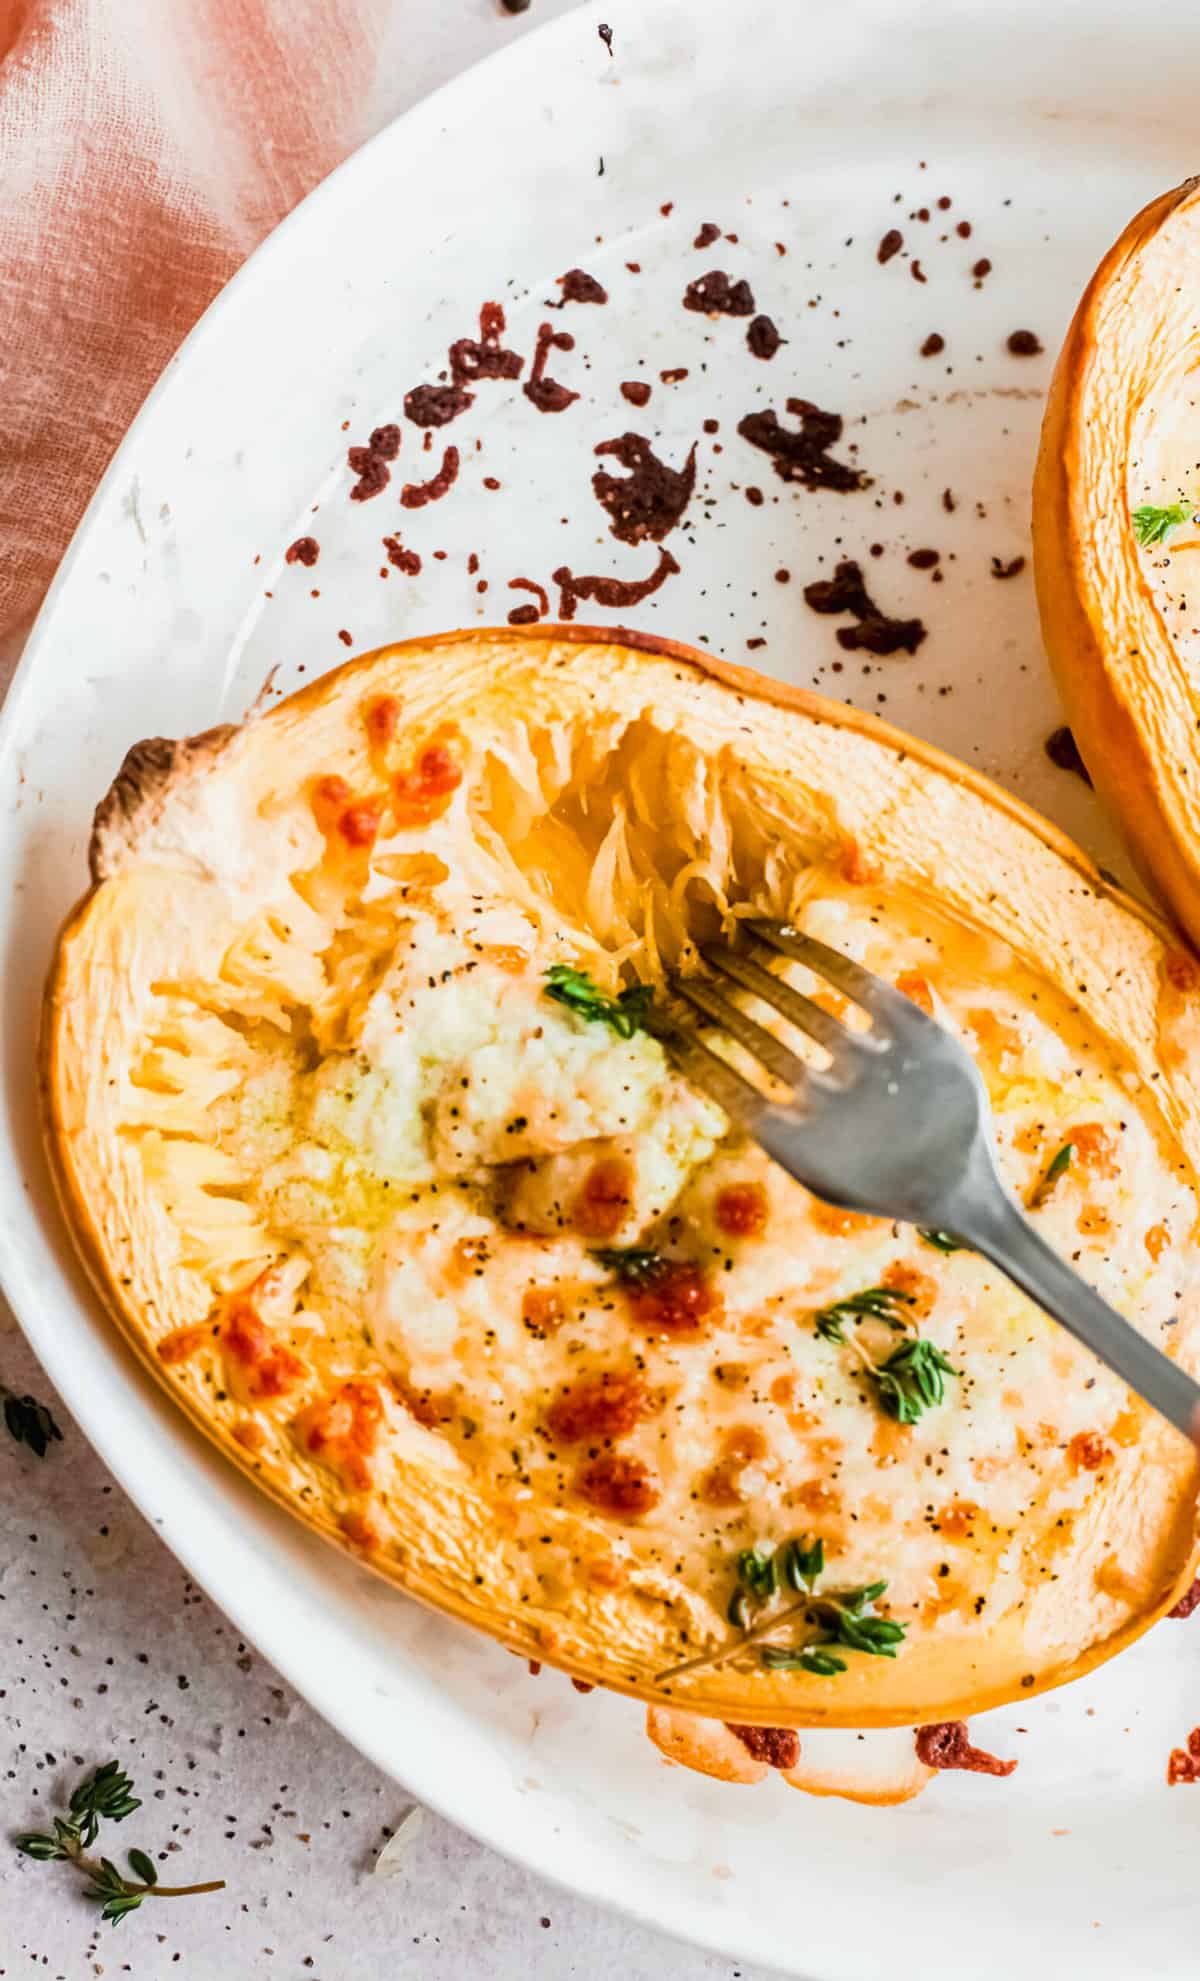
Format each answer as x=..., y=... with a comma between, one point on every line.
x=1151, y=525
x=633, y=1265
x=1058, y=1166
x=107, y=1795
x=876, y=1303
x=912, y=1378
x=626, y=1013
x=845, y=1618
x=29, y=1421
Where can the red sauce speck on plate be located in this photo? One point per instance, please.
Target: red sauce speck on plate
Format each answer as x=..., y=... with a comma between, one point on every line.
x=650, y=500
x=803, y=456
x=579, y=287
x=404, y=560
x=546, y=393
x=715, y=295
x=415, y=495
x=616, y=592
x=762, y=338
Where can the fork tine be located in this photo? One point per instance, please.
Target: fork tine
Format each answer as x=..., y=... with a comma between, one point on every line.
x=740, y=1099
x=866, y=989
x=774, y=1055
x=822, y=1026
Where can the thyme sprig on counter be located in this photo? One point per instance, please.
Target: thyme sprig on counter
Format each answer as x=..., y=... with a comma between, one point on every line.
x=1152, y=526
x=107, y=1795
x=626, y=1012
x=909, y=1381
x=28, y=1421
x=845, y=1618
x=1057, y=1167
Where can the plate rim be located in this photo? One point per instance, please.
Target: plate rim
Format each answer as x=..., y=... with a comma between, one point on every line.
x=734, y=1934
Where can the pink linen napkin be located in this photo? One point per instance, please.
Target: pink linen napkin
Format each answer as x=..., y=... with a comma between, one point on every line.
x=145, y=147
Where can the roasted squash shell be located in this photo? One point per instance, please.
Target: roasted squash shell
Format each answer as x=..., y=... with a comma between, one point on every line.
x=1121, y=435
x=272, y=908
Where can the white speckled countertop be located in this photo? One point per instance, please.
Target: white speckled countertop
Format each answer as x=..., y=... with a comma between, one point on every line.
x=109, y=1650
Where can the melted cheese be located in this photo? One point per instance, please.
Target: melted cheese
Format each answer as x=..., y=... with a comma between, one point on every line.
x=460, y=1129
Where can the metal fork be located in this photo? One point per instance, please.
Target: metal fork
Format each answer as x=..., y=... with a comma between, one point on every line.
x=897, y=1125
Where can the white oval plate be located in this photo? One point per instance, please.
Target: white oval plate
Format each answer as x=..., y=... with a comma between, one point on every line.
x=820, y=129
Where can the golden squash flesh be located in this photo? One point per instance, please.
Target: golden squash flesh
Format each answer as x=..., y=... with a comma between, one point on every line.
x=379, y=1172
x=1120, y=460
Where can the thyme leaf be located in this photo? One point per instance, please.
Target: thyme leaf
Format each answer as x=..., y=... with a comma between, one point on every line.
x=1151, y=525
x=139, y=1862
x=803, y=1562
x=823, y=1663
x=633, y=1265
x=626, y=1013
x=758, y=1569
x=912, y=1380
x=107, y=1795
x=941, y=1241
x=878, y=1636
x=740, y=1612
x=116, y=1895
x=29, y=1422
x=1058, y=1166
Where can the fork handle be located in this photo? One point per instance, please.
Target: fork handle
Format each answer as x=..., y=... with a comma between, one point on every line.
x=1005, y=1235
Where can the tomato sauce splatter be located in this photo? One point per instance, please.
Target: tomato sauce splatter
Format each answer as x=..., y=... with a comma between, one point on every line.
x=415, y=495
x=946, y=1745
x=778, y=1746
x=546, y=393
x=370, y=463
x=649, y=501
x=609, y=591
x=715, y=295
x=473, y=359
x=803, y=457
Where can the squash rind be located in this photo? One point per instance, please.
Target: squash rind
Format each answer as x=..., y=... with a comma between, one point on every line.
x=1027, y=864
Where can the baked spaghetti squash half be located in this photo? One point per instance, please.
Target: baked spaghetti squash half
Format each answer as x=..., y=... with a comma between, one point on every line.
x=361, y=1129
